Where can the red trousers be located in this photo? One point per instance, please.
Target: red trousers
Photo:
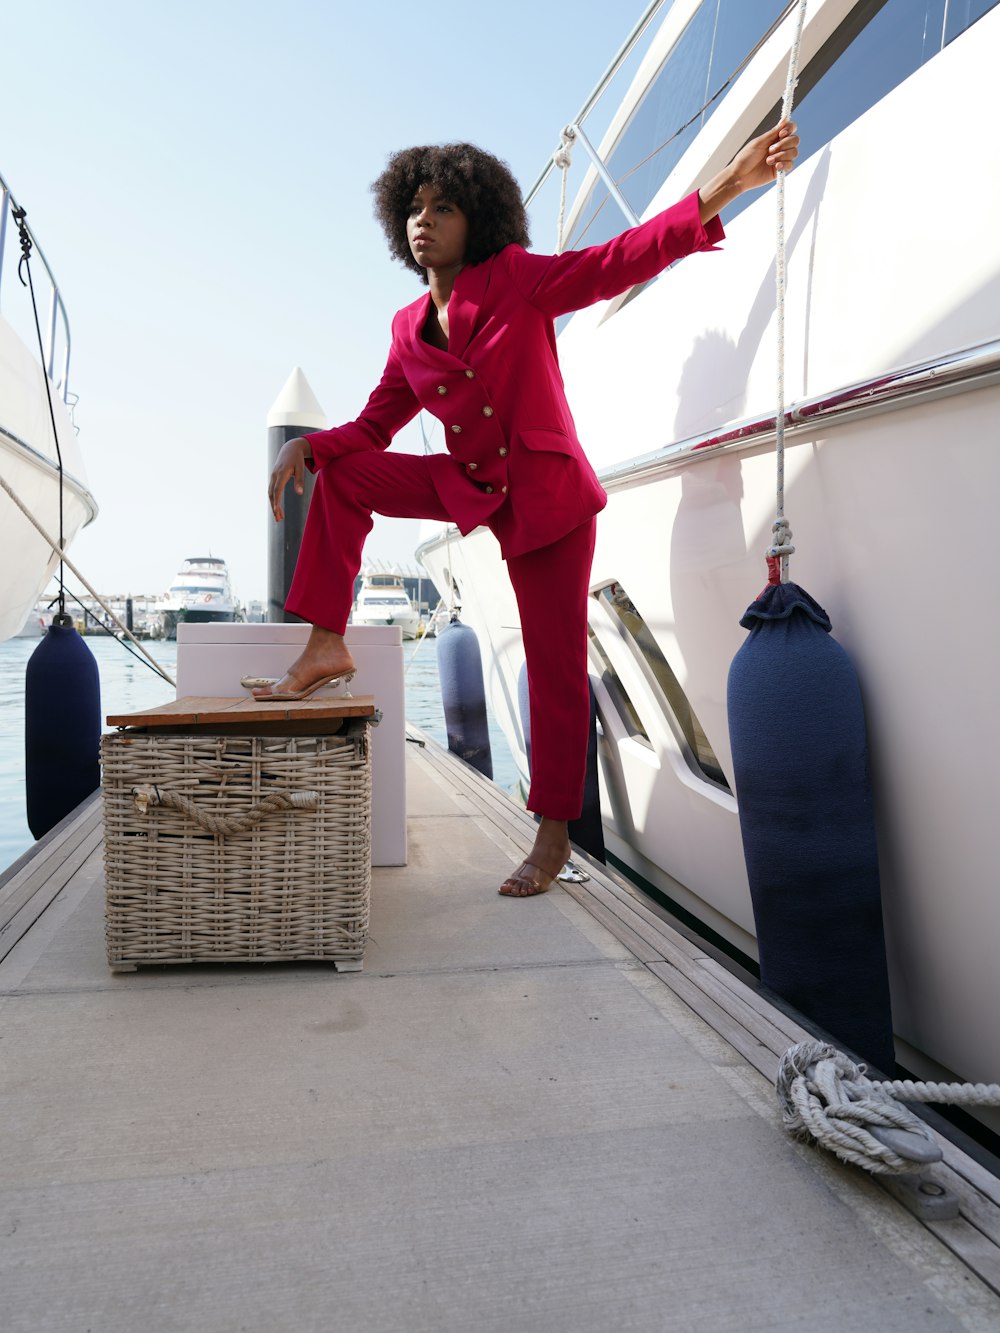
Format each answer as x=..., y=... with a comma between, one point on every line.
x=551, y=585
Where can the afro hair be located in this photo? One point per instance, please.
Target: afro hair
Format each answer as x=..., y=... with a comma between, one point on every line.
x=480, y=184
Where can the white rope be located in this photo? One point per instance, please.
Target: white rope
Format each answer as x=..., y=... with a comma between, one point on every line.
x=782, y=545
x=447, y=532
x=563, y=159
x=826, y=1097
x=73, y=570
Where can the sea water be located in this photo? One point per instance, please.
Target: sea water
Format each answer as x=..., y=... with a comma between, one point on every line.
x=129, y=683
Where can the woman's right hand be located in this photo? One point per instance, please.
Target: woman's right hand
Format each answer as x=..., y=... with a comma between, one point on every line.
x=290, y=463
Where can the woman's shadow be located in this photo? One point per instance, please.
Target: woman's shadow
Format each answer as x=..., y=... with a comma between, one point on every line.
x=708, y=544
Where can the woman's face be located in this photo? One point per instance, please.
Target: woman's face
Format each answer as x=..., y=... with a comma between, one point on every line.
x=436, y=229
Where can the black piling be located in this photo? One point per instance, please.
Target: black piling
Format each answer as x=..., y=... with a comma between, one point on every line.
x=295, y=412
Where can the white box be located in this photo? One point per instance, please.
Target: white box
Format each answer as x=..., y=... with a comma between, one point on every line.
x=211, y=658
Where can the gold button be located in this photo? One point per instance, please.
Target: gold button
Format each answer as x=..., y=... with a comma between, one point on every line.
x=487, y=411
x=471, y=466
x=442, y=389
x=489, y=490
x=456, y=430
x=470, y=374
x=503, y=451
x=503, y=489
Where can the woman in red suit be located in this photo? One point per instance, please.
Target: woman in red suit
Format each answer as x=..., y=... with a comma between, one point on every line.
x=478, y=352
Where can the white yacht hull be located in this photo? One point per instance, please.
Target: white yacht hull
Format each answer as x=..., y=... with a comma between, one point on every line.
x=28, y=467
x=893, y=513
x=408, y=625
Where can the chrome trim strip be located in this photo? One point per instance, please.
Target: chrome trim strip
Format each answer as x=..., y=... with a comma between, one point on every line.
x=956, y=372
x=40, y=460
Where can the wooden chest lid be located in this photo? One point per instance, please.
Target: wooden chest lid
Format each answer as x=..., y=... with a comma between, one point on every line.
x=194, y=711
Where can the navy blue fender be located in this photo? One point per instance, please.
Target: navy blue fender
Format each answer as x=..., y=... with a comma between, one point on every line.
x=62, y=727
x=460, y=669
x=800, y=758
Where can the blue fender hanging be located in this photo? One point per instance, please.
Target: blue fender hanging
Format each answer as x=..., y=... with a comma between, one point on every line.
x=62, y=726
x=800, y=759
x=62, y=696
x=460, y=669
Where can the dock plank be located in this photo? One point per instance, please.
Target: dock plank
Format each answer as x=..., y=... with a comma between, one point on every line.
x=44, y=860
x=743, y=1016
x=49, y=843
x=16, y=927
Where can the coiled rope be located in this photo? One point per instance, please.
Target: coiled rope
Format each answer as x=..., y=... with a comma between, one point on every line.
x=823, y=1094
x=826, y=1097
x=245, y=822
x=781, y=548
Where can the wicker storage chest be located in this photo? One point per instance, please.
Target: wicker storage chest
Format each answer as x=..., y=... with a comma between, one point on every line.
x=234, y=841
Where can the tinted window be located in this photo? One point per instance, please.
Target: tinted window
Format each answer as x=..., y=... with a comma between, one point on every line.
x=711, y=49
x=617, y=692
x=674, y=702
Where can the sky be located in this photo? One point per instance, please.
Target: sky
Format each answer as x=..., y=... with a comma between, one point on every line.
x=198, y=177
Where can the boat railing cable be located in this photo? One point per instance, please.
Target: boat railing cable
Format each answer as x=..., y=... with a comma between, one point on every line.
x=24, y=273
x=64, y=559
x=601, y=86
x=560, y=158
x=57, y=307
x=782, y=547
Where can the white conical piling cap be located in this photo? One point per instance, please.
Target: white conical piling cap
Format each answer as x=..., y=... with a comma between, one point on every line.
x=296, y=405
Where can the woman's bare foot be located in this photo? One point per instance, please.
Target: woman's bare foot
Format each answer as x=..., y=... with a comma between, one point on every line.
x=548, y=856
x=325, y=654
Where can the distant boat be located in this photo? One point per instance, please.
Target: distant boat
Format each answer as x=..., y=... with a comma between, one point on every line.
x=200, y=593
x=383, y=601
x=28, y=460
x=35, y=625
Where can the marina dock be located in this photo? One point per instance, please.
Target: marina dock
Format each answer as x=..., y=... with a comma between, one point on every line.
x=548, y=1114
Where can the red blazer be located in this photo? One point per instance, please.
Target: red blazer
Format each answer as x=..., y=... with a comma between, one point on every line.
x=514, y=461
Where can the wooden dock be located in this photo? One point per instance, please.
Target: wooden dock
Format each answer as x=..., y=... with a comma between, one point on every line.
x=551, y=1114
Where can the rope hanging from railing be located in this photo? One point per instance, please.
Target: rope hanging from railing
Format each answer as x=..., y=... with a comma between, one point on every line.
x=563, y=159
x=781, y=548
x=24, y=273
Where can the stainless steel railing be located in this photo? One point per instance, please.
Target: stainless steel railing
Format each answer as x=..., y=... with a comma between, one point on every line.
x=626, y=50
x=57, y=310
x=956, y=372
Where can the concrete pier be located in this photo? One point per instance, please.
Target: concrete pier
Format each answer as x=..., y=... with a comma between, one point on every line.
x=515, y=1119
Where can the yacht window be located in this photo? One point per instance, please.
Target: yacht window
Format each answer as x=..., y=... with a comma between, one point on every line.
x=617, y=692
x=881, y=43
x=676, y=706
x=689, y=86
